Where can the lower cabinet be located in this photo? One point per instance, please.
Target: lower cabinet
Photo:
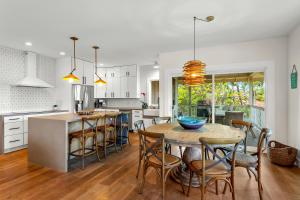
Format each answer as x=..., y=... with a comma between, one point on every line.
x=16, y=131
x=13, y=141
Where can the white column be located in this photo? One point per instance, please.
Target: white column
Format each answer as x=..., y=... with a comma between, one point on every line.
x=213, y=98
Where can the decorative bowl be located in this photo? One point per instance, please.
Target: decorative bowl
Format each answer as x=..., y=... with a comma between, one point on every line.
x=191, y=122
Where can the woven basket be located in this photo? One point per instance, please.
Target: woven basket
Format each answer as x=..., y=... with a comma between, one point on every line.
x=281, y=154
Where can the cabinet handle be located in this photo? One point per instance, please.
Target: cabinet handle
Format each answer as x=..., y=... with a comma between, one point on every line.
x=14, y=119
x=104, y=94
x=14, y=128
x=14, y=141
x=128, y=73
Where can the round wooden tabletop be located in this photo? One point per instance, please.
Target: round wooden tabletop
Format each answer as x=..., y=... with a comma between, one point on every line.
x=174, y=133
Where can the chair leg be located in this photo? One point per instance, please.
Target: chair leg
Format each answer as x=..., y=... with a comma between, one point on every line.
x=139, y=166
x=115, y=139
x=180, y=149
x=104, y=145
x=97, y=148
x=121, y=137
x=83, y=152
x=232, y=186
x=217, y=187
x=190, y=182
x=128, y=140
x=259, y=184
x=145, y=167
x=163, y=183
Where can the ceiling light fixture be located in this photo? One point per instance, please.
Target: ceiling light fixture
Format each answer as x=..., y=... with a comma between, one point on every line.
x=156, y=66
x=28, y=44
x=100, y=81
x=71, y=77
x=194, y=70
x=62, y=53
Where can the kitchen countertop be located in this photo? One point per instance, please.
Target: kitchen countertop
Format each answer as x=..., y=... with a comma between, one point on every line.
x=73, y=117
x=121, y=108
x=31, y=113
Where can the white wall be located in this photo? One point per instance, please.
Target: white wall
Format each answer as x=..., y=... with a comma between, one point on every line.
x=268, y=55
x=294, y=94
x=148, y=73
x=12, y=69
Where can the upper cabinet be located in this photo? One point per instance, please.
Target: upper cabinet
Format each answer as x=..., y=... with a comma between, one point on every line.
x=84, y=71
x=130, y=70
x=122, y=82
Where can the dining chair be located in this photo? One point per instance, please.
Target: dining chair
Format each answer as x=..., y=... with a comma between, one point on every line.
x=244, y=126
x=139, y=125
x=252, y=162
x=212, y=171
x=156, y=157
x=160, y=120
x=83, y=151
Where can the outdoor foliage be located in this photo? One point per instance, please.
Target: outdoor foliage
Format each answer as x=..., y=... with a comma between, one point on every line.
x=229, y=94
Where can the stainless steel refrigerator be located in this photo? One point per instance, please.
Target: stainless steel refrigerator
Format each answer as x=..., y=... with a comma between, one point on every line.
x=83, y=97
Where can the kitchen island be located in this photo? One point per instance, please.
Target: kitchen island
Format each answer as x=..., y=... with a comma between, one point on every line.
x=48, y=138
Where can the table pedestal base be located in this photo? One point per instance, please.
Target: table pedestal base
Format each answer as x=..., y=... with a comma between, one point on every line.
x=183, y=172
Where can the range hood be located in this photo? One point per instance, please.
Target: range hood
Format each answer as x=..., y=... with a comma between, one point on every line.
x=30, y=79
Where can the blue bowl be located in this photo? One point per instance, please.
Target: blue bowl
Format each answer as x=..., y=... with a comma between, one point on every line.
x=191, y=123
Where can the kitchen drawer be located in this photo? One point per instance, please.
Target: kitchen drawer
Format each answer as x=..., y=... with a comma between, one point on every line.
x=13, y=128
x=25, y=138
x=137, y=112
x=13, y=141
x=13, y=119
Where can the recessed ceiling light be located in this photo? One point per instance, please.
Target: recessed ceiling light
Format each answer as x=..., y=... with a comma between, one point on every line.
x=101, y=64
x=28, y=44
x=62, y=53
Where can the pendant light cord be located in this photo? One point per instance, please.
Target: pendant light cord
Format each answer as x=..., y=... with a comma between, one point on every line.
x=195, y=38
x=74, y=54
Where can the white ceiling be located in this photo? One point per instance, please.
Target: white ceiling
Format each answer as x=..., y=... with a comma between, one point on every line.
x=135, y=31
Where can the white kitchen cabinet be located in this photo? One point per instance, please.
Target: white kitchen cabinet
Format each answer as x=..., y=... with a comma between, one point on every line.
x=122, y=82
x=100, y=90
x=79, y=72
x=129, y=87
x=89, y=69
x=130, y=70
x=113, y=87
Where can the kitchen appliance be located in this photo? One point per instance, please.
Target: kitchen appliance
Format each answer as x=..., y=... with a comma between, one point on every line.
x=83, y=97
x=30, y=79
x=99, y=103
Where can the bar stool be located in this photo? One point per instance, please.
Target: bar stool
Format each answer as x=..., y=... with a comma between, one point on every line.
x=83, y=136
x=124, y=125
x=109, y=132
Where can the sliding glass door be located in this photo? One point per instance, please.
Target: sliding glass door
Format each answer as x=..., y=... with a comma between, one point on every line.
x=222, y=97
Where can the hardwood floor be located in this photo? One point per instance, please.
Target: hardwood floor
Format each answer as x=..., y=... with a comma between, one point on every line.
x=114, y=179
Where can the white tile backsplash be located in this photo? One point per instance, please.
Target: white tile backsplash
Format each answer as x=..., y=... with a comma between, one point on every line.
x=12, y=69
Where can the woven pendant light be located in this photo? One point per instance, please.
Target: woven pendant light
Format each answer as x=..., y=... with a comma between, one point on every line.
x=194, y=70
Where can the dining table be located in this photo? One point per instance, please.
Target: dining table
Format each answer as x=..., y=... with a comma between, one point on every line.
x=178, y=136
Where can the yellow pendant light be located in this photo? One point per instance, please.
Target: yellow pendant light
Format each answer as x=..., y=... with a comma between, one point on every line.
x=100, y=81
x=71, y=77
x=194, y=70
